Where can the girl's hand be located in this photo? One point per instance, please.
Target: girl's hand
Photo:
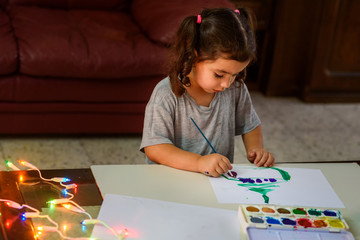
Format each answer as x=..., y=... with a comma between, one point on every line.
x=214, y=164
x=261, y=157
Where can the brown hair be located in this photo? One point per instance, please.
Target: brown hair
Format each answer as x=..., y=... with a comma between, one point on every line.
x=222, y=32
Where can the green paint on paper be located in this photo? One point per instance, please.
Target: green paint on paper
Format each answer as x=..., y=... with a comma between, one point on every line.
x=285, y=175
x=262, y=185
x=263, y=192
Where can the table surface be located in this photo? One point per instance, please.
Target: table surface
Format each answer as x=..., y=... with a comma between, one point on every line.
x=168, y=184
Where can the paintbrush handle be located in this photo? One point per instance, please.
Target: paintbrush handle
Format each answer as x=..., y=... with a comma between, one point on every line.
x=203, y=135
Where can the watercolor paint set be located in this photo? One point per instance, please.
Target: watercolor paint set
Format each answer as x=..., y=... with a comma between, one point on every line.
x=272, y=222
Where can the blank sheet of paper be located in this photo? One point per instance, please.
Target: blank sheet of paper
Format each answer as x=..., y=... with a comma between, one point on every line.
x=285, y=186
x=149, y=219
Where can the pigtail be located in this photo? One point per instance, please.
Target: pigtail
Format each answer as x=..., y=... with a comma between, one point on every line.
x=249, y=23
x=183, y=55
x=249, y=17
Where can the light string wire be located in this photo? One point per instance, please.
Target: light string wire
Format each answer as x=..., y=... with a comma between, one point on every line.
x=65, y=203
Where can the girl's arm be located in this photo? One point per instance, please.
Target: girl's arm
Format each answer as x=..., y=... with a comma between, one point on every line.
x=256, y=153
x=169, y=155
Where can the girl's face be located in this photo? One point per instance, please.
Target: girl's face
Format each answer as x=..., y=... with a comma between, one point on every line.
x=216, y=75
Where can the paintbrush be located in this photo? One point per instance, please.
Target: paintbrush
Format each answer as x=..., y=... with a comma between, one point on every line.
x=229, y=173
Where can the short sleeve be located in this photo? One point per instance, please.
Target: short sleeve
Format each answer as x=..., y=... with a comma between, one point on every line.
x=159, y=118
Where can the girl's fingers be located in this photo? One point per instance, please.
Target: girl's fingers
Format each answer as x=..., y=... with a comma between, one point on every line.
x=228, y=164
x=263, y=158
x=270, y=162
x=222, y=168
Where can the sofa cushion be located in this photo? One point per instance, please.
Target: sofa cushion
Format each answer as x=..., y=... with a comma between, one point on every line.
x=3, y=4
x=160, y=19
x=8, y=56
x=68, y=4
x=84, y=44
x=26, y=89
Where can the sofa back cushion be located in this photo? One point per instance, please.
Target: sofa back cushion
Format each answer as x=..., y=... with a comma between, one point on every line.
x=71, y=4
x=8, y=51
x=2, y=4
x=160, y=19
x=83, y=43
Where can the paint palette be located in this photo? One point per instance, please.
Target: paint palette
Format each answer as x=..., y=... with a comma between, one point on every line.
x=266, y=221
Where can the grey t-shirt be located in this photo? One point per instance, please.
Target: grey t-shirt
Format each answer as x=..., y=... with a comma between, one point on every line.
x=167, y=120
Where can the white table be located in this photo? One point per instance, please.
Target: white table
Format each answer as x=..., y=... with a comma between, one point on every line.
x=193, y=188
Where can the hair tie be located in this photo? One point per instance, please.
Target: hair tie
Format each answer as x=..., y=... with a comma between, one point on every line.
x=237, y=11
x=198, y=21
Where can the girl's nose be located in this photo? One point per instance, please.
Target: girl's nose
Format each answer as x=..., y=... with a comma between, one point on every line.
x=226, y=83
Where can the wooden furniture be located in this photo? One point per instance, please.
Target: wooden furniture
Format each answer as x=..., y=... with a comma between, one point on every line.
x=308, y=49
x=335, y=71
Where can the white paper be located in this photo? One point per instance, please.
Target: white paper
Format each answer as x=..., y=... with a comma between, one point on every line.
x=306, y=187
x=148, y=219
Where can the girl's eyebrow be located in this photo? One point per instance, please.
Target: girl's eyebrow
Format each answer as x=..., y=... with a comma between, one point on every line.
x=223, y=71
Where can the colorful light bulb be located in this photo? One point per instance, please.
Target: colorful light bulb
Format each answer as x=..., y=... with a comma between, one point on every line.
x=11, y=165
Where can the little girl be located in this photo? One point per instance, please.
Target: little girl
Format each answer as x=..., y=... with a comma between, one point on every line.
x=205, y=94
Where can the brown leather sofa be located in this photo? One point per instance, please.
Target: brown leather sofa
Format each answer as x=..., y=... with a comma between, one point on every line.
x=84, y=66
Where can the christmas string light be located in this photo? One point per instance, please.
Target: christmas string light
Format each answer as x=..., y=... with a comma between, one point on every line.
x=55, y=229
x=65, y=200
x=75, y=209
x=122, y=235
x=54, y=179
x=27, y=215
x=11, y=165
x=69, y=186
x=16, y=205
x=67, y=203
x=60, y=180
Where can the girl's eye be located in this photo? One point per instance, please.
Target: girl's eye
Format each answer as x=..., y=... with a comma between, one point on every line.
x=218, y=76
